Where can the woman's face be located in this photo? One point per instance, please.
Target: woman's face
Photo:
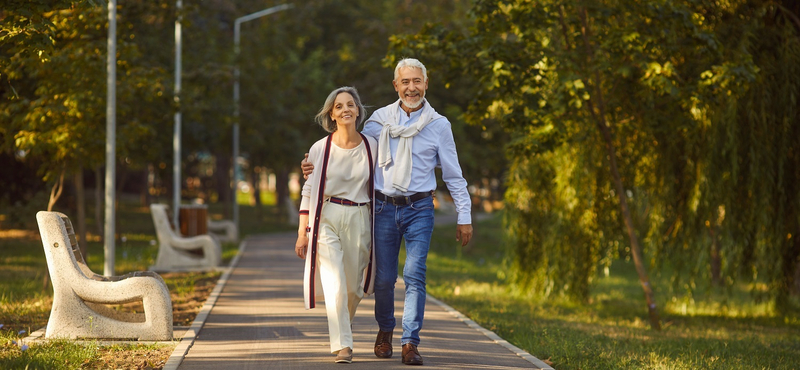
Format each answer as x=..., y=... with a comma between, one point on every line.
x=344, y=109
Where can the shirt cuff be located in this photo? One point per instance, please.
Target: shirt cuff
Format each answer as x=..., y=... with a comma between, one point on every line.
x=465, y=218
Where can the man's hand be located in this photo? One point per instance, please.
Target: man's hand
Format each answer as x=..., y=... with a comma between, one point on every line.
x=306, y=167
x=463, y=234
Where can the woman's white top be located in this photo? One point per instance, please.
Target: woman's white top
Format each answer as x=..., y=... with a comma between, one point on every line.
x=348, y=167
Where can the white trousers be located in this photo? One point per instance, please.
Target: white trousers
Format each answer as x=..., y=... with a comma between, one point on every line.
x=343, y=250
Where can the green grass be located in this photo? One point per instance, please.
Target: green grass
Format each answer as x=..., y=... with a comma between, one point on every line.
x=55, y=354
x=25, y=302
x=612, y=330
x=67, y=354
x=609, y=332
x=267, y=198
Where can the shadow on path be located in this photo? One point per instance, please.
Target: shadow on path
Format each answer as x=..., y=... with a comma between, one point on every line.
x=259, y=322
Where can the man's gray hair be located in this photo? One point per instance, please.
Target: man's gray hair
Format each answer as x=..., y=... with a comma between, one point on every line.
x=411, y=63
x=324, y=116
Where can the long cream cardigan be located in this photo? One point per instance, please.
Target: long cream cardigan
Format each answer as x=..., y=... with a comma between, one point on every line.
x=314, y=189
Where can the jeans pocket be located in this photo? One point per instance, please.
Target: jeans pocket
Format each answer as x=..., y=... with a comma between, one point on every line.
x=423, y=204
x=379, y=206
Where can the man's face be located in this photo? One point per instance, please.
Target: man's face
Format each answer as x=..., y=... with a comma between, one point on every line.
x=410, y=86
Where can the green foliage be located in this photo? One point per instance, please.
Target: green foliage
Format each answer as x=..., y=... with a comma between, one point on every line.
x=57, y=111
x=26, y=30
x=700, y=100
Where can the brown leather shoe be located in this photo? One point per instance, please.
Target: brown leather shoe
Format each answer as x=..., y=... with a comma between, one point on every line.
x=411, y=355
x=383, y=344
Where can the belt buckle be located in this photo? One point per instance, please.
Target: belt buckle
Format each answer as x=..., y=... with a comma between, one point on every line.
x=408, y=199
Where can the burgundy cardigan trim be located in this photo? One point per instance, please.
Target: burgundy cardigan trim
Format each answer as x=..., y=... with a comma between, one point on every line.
x=371, y=186
x=315, y=232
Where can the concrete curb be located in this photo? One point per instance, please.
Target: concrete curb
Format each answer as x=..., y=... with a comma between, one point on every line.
x=189, y=337
x=491, y=335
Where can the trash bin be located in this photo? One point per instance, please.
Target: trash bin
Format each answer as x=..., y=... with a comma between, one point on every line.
x=193, y=219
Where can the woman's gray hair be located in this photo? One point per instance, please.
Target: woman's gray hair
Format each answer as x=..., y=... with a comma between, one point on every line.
x=410, y=63
x=324, y=116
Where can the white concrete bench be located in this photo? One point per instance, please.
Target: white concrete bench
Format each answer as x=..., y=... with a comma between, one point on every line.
x=175, y=252
x=224, y=230
x=80, y=296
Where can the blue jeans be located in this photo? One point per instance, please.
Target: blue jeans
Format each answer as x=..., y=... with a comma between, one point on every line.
x=414, y=223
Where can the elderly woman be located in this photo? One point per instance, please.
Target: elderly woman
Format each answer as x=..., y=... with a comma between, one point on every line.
x=336, y=233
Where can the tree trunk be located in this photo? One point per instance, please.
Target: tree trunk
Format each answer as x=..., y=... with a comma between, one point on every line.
x=223, y=183
x=98, y=202
x=257, y=171
x=789, y=270
x=282, y=192
x=122, y=178
x=636, y=250
x=55, y=192
x=602, y=125
x=144, y=193
x=716, y=260
x=253, y=181
x=80, y=192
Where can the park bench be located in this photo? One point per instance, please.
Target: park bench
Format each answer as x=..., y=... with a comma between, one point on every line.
x=224, y=230
x=175, y=252
x=80, y=297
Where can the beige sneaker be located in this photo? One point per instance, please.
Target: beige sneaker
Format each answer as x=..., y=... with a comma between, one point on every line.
x=345, y=356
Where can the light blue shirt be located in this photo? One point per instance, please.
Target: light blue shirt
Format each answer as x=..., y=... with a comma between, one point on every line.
x=433, y=146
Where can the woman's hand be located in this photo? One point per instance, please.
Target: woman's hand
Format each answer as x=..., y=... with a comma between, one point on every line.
x=301, y=246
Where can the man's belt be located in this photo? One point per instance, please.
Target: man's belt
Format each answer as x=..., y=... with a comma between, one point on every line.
x=403, y=200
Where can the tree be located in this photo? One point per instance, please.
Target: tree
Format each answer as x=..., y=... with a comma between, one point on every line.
x=57, y=112
x=747, y=196
x=634, y=113
x=25, y=28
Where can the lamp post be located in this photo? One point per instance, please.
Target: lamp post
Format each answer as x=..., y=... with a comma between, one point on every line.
x=236, y=37
x=176, y=136
x=111, y=143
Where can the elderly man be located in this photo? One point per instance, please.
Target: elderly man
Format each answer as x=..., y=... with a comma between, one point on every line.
x=412, y=141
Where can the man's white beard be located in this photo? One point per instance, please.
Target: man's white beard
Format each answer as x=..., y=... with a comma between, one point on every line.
x=414, y=105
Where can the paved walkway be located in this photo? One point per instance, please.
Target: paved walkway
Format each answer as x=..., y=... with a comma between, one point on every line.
x=256, y=320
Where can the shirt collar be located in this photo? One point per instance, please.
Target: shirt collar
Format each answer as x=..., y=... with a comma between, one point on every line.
x=408, y=117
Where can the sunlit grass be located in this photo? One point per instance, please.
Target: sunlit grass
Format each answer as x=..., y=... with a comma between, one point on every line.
x=611, y=331
x=55, y=354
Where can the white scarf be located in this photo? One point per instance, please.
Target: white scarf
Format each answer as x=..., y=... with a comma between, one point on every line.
x=387, y=117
